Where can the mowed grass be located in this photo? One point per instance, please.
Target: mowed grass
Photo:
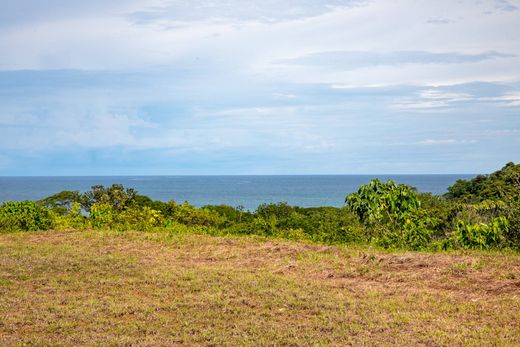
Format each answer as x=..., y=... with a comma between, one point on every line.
x=156, y=289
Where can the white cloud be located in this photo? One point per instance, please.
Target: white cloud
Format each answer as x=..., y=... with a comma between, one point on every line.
x=510, y=99
x=445, y=142
x=157, y=75
x=111, y=40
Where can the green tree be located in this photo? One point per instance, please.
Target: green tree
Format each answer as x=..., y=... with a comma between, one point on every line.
x=503, y=184
x=391, y=213
x=116, y=196
x=61, y=202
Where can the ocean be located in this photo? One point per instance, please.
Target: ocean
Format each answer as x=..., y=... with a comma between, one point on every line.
x=246, y=191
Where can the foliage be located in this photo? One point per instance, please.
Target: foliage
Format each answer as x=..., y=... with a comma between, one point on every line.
x=503, y=184
x=231, y=214
x=61, y=202
x=481, y=235
x=72, y=218
x=390, y=211
x=189, y=215
x=24, y=216
x=378, y=202
x=480, y=213
x=280, y=210
x=103, y=215
x=116, y=196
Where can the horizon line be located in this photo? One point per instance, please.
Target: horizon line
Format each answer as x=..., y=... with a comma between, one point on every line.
x=238, y=175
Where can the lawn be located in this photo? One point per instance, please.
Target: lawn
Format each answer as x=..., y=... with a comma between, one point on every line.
x=151, y=289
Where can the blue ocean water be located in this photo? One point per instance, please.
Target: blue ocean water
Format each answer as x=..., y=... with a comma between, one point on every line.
x=248, y=191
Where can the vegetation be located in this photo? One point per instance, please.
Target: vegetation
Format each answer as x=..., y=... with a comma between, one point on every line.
x=391, y=213
x=94, y=278
x=503, y=184
x=24, y=216
x=109, y=288
x=482, y=213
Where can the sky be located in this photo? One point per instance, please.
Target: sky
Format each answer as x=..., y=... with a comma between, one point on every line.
x=207, y=87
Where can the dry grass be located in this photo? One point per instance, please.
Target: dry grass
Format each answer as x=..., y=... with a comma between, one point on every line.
x=94, y=288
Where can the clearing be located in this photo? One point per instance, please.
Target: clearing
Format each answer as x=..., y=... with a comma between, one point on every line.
x=150, y=289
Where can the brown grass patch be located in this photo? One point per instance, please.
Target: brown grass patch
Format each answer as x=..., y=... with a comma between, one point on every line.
x=148, y=289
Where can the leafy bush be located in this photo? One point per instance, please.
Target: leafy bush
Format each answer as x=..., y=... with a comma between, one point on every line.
x=71, y=218
x=116, y=196
x=265, y=226
x=391, y=212
x=139, y=218
x=24, y=216
x=103, y=215
x=190, y=215
x=279, y=210
x=231, y=214
x=378, y=202
x=481, y=236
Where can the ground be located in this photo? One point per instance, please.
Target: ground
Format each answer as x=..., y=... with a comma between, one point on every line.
x=151, y=289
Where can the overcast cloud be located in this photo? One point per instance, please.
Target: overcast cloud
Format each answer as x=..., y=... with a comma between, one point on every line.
x=258, y=87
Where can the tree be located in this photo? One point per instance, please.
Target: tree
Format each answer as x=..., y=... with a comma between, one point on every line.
x=61, y=202
x=116, y=196
x=391, y=213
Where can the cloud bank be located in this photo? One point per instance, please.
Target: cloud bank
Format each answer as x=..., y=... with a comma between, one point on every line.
x=236, y=87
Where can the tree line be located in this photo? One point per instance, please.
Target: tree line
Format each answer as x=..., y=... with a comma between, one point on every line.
x=481, y=213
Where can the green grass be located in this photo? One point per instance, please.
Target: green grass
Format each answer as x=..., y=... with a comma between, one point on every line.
x=150, y=289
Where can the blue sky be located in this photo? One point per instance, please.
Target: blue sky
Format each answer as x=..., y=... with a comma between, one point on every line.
x=128, y=87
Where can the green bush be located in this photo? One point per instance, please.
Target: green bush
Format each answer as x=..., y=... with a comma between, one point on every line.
x=24, y=216
x=481, y=235
x=116, y=196
x=231, y=214
x=391, y=214
x=190, y=215
x=71, y=218
x=103, y=215
x=280, y=210
x=265, y=226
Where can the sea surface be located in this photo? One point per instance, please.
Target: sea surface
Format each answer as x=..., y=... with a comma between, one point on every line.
x=246, y=191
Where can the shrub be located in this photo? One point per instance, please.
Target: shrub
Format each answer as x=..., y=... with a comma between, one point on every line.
x=391, y=213
x=481, y=235
x=139, y=218
x=116, y=196
x=24, y=216
x=231, y=214
x=189, y=215
x=263, y=226
x=280, y=210
x=102, y=215
x=71, y=218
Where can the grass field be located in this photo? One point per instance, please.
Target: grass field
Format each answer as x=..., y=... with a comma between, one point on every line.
x=151, y=289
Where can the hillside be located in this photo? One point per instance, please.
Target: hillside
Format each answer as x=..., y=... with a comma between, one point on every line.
x=149, y=289
x=503, y=184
